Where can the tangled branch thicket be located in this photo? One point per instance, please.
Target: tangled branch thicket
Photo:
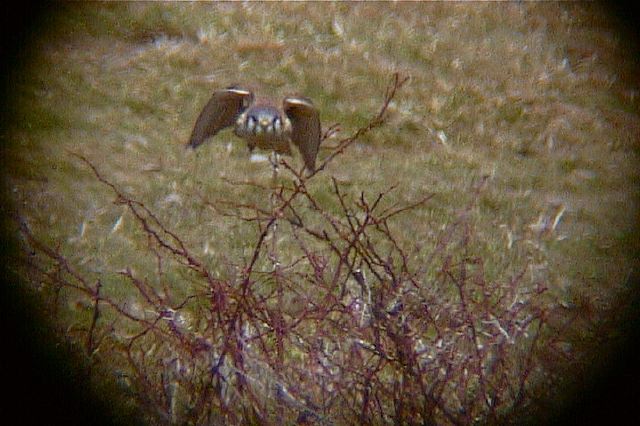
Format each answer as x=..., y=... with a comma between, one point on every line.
x=329, y=320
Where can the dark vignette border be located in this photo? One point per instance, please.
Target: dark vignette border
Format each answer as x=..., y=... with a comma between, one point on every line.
x=41, y=378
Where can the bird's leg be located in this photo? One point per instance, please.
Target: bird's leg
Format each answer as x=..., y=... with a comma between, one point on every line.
x=274, y=159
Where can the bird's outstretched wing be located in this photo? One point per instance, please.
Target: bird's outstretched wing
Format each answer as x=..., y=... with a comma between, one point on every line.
x=305, y=128
x=221, y=111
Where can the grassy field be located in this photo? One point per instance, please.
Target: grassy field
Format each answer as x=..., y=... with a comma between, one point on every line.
x=518, y=125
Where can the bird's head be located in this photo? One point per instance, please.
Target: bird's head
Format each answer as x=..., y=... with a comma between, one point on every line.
x=262, y=121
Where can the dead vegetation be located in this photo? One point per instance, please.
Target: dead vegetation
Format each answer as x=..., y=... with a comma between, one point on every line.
x=344, y=325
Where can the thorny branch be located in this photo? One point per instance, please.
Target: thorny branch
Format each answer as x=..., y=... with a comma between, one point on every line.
x=353, y=328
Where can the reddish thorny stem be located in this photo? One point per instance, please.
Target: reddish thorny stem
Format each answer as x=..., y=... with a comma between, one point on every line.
x=376, y=335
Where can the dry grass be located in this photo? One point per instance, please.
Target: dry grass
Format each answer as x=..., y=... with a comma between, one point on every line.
x=536, y=99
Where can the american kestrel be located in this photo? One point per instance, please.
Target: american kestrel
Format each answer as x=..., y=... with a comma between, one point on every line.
x=261, y=123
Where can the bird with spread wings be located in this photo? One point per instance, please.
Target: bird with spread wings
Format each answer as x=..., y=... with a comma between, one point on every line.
x=261, y=123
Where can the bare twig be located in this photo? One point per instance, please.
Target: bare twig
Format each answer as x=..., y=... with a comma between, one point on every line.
x=344, y=325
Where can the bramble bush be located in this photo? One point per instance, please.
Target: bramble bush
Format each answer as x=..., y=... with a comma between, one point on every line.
x=331, y=319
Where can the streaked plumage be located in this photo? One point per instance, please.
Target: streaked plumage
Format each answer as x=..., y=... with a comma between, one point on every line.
x=261, y=123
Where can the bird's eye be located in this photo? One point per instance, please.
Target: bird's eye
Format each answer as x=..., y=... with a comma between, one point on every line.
x=251, y=122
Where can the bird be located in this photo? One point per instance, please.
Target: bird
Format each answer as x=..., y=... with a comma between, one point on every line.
x=261, y=123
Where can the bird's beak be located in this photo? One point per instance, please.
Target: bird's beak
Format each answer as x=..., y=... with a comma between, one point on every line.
x=264, y=121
